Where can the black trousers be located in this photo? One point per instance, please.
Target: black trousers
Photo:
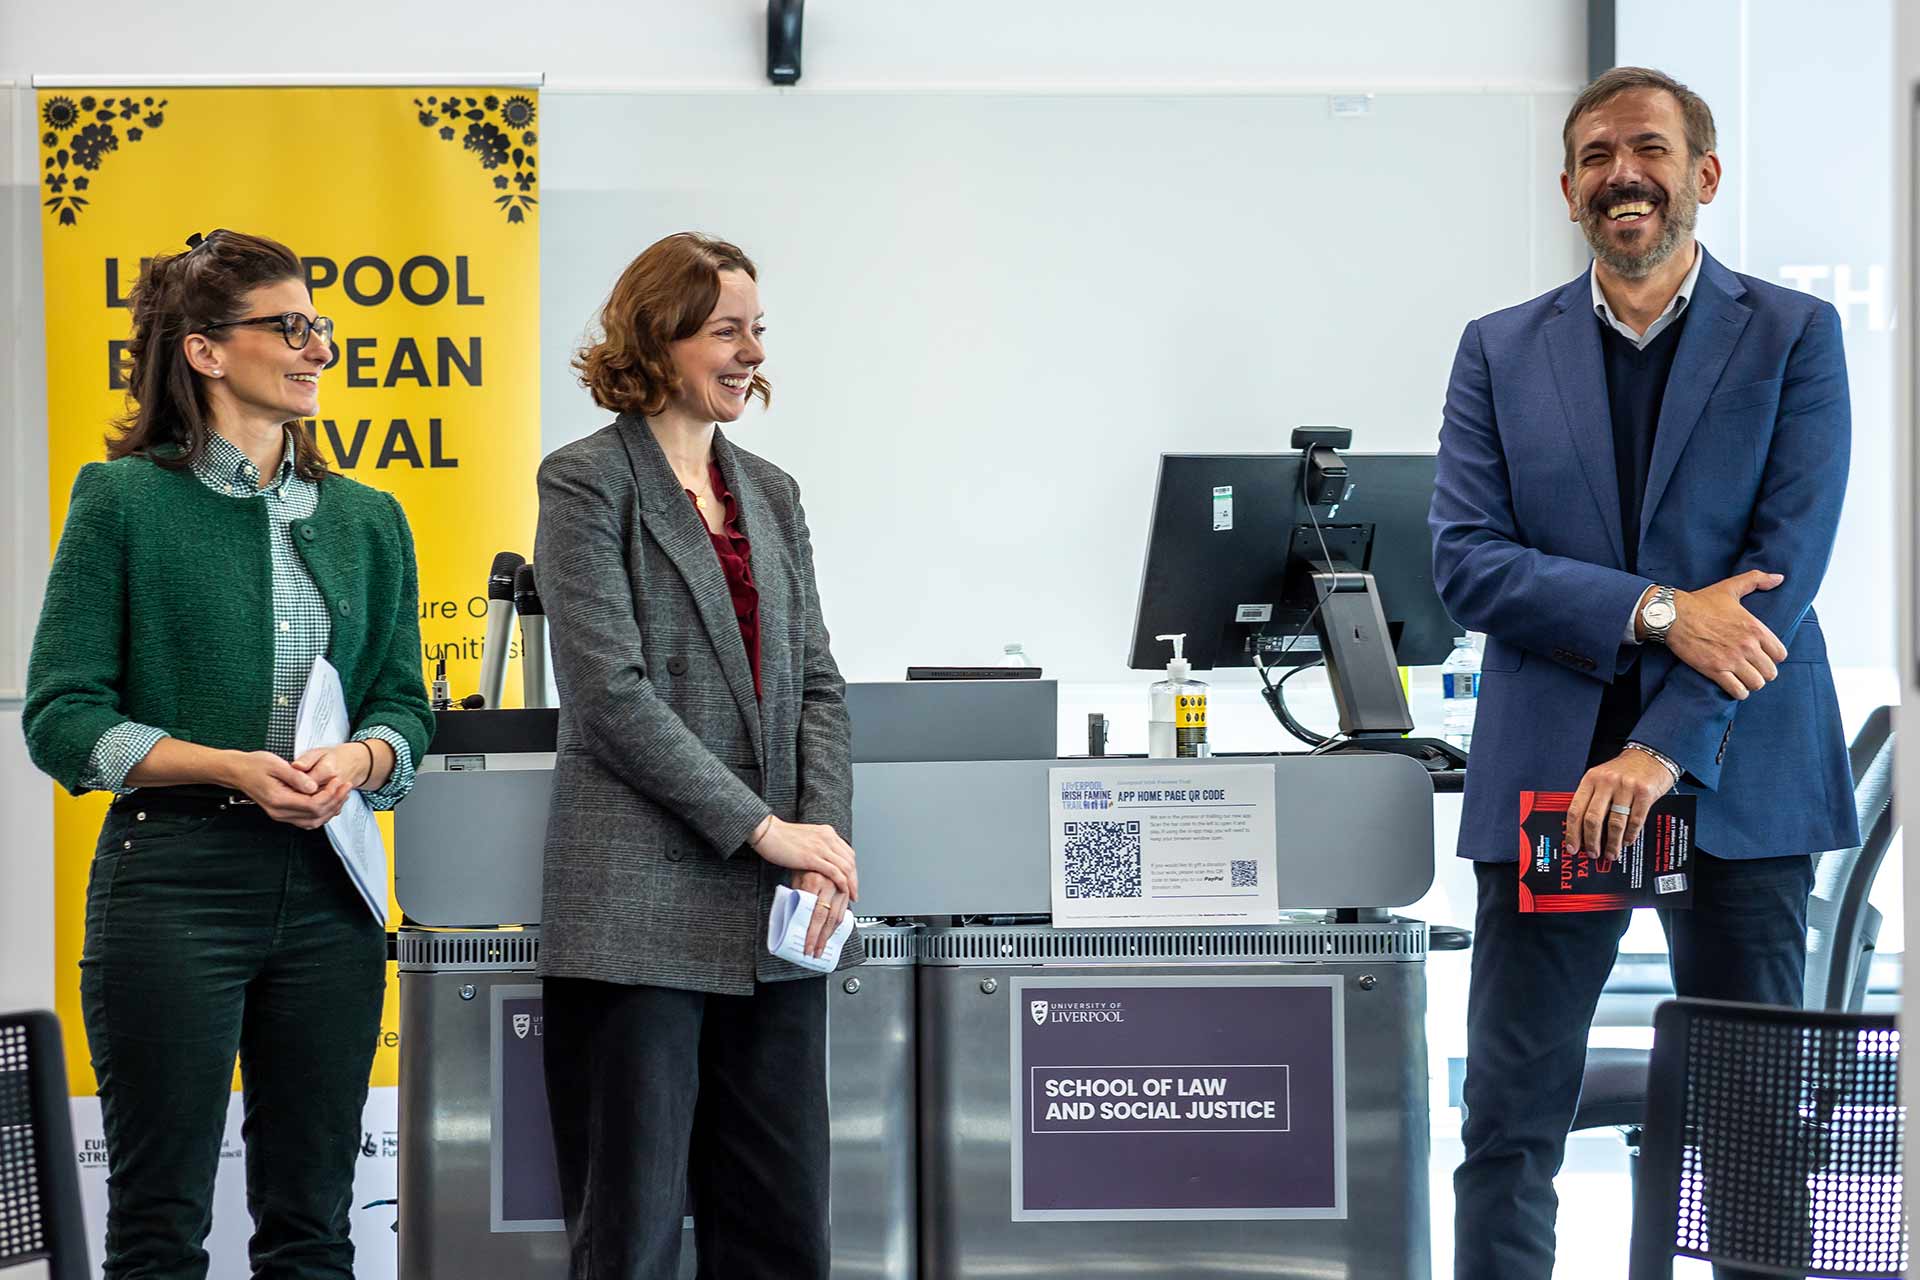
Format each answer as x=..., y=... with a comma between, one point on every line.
x=213, y=931
x=1536, y=981
x=656, y=1092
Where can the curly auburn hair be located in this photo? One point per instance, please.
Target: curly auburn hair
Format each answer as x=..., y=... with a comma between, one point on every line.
x=180, y=294
x=663, y=296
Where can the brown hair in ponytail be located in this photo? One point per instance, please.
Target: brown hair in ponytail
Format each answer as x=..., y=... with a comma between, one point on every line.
x=180, y=294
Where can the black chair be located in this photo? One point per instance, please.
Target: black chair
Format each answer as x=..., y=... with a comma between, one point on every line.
x=1842, y=930
x=1772, y=1142
x=40, y=1216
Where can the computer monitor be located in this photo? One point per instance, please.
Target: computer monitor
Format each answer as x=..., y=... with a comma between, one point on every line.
x=1239, y=561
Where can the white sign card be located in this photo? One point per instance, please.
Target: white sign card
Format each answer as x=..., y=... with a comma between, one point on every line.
x=1179, y=844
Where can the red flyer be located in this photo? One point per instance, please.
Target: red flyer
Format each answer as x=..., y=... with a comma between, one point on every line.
x=1655, y=871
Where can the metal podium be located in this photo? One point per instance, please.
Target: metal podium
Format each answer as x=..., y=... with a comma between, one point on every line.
x=945, y=1163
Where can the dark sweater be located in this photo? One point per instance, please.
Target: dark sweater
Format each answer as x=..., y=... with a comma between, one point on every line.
x=159, y=609
x=1636, y=388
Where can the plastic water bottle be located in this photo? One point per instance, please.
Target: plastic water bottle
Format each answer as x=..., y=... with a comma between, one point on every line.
x=1460, y=687
x=1016, y=656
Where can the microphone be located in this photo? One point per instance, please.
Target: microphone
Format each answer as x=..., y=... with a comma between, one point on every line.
x=533, y=638
x=493, y=654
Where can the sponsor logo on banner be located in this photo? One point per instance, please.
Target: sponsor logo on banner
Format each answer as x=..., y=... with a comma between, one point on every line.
x=522, y=1023
x=1039, y=1011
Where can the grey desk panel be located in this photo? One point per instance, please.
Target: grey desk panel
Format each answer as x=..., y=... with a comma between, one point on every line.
x=468, y=847
x=970, y=838
x=947, y=838
x=954, y=719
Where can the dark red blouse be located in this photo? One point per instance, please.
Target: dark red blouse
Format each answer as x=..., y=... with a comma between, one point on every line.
x=736, y=562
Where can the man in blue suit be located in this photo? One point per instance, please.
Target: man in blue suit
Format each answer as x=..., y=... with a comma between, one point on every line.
x=1639, y=481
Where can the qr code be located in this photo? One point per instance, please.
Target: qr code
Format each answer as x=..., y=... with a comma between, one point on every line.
x=1246, y=873
x=1103, y=859
x=1670, y=884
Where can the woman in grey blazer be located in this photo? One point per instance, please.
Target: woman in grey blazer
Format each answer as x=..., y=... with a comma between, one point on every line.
x=703, y=761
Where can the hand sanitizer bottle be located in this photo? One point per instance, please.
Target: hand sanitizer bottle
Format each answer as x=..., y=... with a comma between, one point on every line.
x=1177, y=726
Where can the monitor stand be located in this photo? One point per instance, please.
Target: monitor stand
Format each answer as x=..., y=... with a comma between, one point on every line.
x=1358, y=650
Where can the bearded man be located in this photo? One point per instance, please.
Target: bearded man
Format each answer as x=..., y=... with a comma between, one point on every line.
x=1639, y=480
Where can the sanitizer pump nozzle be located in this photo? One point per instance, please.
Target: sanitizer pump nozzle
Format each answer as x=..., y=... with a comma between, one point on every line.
x=1178, y=725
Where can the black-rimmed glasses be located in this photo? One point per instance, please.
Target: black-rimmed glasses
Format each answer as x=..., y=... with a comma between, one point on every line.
x=294, y=327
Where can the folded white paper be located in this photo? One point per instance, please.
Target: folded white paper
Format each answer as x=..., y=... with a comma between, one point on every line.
x=322, y=722
x=787, y=930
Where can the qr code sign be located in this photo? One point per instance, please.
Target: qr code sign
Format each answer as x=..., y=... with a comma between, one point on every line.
x=1246, y=873
x=1103, y=859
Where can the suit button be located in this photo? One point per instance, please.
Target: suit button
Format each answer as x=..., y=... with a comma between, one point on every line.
x=676, y=666
x=345, y=608
x=306, y=531
x=674, y=855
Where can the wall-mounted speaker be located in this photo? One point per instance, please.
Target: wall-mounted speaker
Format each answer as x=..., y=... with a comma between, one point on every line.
x=783, y=40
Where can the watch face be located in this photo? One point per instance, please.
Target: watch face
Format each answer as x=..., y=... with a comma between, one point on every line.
x=1658, y=615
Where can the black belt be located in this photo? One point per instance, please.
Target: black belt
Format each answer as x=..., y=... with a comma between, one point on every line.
x=198, y=798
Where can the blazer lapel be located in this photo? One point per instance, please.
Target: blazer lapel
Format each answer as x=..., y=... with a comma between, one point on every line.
x=770, y=574
x=1573, y=348
x=678, y=528
x=1714, y=322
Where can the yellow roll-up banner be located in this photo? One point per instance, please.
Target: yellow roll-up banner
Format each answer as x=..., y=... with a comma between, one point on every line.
x=416, y=215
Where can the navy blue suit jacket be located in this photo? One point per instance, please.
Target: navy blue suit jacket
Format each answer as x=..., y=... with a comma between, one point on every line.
x=1749, y=468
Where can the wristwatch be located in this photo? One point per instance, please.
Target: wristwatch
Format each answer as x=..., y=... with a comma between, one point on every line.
x=1657, y=615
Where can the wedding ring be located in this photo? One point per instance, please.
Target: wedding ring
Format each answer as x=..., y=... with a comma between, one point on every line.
x=1624, y=810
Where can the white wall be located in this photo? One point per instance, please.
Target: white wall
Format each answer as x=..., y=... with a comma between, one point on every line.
x=1384, y=44
x=1500, y=45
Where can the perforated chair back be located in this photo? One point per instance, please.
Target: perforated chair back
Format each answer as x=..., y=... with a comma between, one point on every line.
x=1773, y=1141
x=40, y=1216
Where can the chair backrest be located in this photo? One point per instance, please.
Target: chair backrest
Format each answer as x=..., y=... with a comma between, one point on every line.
x=1841, y=926
x=40, y=1214
x=1772, y=1140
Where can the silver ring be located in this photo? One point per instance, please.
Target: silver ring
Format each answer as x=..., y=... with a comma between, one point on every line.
x=1624, y=810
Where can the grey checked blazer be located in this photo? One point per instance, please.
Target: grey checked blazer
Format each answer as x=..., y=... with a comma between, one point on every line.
x=666, y=761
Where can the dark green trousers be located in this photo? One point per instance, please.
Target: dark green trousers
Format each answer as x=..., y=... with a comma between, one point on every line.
x=212, y=931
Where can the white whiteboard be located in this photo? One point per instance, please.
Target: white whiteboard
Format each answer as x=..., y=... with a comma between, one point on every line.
x=989, y=314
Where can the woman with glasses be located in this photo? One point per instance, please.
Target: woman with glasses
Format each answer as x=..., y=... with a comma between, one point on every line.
x=202, y=570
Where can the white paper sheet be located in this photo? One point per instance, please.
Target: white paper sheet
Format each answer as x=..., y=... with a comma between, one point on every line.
x=354, y=835
x=1175, y=844
x=787, y=930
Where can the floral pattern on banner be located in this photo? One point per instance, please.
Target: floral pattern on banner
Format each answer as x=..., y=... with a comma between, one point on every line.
x=499, y=131
x=78, y=134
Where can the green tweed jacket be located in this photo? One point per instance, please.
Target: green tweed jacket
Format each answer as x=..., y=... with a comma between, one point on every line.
x=159, y=609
